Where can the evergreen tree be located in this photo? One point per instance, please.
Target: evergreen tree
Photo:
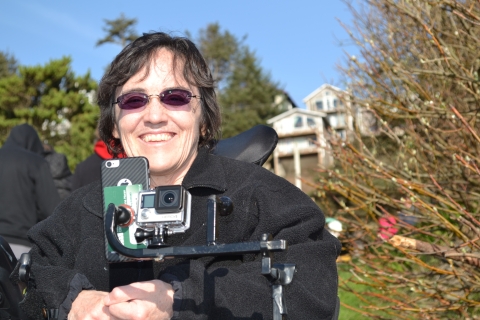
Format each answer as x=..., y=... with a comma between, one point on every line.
x=8, y=64
x=219, y=50
x=119, y=31
x=56, y=102
x=246, y=92
x=248, y=98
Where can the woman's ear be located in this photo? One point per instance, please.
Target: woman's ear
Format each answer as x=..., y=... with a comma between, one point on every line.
x=203, y=131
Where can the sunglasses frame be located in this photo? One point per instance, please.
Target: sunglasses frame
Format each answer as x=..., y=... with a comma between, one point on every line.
x=187, y=95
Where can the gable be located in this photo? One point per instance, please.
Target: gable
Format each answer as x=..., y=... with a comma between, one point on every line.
x=326, y=98
x=297, y=121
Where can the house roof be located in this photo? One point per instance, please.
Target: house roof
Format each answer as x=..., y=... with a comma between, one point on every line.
x=320, y=89
x=289, y=99
x=296, y=110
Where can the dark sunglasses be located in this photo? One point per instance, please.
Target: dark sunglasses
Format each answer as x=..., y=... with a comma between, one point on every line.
x=173, y=97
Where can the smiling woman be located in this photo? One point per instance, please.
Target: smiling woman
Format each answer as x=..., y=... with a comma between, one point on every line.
x=167, y=132
x=158, y=101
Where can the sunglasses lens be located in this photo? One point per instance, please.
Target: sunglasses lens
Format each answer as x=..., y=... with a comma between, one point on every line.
x=131, y=101
x=175, y=97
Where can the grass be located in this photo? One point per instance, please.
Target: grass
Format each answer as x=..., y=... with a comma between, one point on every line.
x=349, y=298
x=358, y=305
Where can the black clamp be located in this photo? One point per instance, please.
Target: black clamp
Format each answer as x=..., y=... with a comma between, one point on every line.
x=279, y=275
x=50, y=314
x=24, y=270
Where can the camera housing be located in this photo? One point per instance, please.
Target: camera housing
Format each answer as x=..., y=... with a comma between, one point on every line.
x=165, y=205
x=158, y=213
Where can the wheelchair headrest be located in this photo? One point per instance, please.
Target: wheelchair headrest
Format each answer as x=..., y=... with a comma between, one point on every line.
x=7, y=257
x=254, y=145
x=10, y=294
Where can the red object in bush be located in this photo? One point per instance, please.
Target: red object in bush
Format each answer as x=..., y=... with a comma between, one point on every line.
x=387, y=227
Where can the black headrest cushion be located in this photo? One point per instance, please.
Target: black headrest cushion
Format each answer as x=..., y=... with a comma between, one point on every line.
x=254, y=145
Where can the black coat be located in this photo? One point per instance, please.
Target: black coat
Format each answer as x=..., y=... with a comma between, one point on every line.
x=87, y=171
x=27, y=190
x=62, y=176
x=68, y=252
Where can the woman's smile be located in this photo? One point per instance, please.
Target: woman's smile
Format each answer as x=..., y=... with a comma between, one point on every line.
x=157, y=137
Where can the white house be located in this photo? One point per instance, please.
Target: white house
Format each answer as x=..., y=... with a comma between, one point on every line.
x=302, y=134
x=342, y=116
x=305, y=132
x=335, y=103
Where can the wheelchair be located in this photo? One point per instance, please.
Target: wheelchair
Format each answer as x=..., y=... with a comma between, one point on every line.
x=254, y=145
x=10, y=293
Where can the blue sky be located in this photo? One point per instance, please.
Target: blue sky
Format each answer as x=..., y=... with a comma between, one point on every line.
x=298, y=42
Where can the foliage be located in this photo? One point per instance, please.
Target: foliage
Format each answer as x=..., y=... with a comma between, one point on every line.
x=417, y=74
x=219, y=50
x=59, y=104
x=56, y=102
x=245, y=91
x=119, y=31
x=8, y=64
x=353, y=293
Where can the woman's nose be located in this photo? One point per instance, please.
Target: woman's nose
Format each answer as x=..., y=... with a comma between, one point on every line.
x=155, y=111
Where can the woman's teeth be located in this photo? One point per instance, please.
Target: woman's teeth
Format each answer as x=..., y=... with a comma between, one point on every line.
x=157, y=137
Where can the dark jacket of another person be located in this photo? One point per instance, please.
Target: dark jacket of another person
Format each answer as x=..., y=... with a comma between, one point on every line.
x=27, y=191
x=62, y=176
x=88, y=170
x=69, y=250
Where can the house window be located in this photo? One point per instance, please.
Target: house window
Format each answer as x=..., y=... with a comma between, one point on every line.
x=335, y=103
x=298, y=122
x=319, y=105
x=311, y=123
x=333, y=121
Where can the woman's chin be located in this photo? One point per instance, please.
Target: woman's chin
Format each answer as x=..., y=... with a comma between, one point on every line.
x=163, y=168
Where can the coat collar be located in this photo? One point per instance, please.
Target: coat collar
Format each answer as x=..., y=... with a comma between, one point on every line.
x=206, y=171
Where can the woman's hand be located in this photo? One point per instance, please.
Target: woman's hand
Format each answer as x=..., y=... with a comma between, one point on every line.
x=89, y=305
x=141, y=300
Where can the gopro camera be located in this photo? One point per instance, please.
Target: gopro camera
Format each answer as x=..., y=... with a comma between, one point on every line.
x=162, y=212
x=165, y=205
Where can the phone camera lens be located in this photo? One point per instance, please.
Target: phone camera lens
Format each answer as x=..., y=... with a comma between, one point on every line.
x=109, y=164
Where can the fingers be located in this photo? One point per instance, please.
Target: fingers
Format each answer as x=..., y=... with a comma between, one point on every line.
x=132, y=291
x=89, y=305
x=133, y=310
x=145, y=290
x=141, y=300
x=139, y=310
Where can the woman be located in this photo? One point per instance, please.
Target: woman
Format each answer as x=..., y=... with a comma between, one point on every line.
x=158, y=101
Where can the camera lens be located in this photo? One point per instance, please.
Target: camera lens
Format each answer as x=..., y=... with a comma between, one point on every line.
x=169, y=198
x=109, y=164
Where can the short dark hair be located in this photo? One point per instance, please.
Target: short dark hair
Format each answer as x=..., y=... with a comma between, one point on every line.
x=138, y=54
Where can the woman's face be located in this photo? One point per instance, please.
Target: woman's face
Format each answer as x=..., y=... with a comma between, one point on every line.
x=167, y=136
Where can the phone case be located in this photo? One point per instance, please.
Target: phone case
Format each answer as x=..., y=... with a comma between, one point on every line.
x=122, y=179
x=125, y=171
